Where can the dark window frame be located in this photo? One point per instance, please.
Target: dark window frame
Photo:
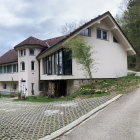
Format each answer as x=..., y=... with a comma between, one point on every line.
x=9, y=68
x=32, y=65
x=22, y=66
x=32, y=51
x=86, y=32
x=1, y=69
x=57, y=65
x=22, y=52
x=100, y=34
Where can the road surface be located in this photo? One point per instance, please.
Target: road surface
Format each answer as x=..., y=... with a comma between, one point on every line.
x=118, y=121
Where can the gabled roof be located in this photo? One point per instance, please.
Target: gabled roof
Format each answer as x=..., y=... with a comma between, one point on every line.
x=32, y=41
x=9, y=57
x=84, y=26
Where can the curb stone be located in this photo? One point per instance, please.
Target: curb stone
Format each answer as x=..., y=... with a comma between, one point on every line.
x=78, y=121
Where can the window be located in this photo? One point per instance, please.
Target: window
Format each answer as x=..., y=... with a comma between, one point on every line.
x=53, y=64
x=67, y=62
x=102, y=34
x=14, y=86
x=115, y=40
x=41, y=87
x=4, y=86
x=31, y=51
x=15, y=67
x=22, y=52
x=5, y=69
x=45, y=65
x=58, y=63
x=1, y=69
x=86, y=32
x=32, y=86
x=22, y=66
x=49, y=65
x=32, y=65
x=9, y=68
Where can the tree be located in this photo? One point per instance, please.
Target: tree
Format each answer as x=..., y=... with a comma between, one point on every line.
x=130, y=23
x=81, y=52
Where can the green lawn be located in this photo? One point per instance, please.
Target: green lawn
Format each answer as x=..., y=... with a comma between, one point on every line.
x=101, y=88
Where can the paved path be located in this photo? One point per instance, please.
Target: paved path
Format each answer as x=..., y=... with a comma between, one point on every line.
x=31, y=121
x=118, y=121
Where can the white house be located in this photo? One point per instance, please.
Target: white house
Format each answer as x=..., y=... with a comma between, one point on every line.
x=35, y=66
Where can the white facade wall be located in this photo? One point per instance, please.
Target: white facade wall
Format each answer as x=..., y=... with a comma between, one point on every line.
x=9, y=76
x=30, y=76
x=9, y=87
x=110, y=59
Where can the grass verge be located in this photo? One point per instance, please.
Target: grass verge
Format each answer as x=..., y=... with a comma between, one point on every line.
x=100, y=88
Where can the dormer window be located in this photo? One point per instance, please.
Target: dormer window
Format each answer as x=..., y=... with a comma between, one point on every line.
x=22, y=52
x=31, y=51
x=102, y=34
x=86, y=32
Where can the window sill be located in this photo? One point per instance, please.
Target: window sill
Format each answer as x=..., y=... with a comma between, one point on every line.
x=103, y=39
x=22, y=56
x=58, y=75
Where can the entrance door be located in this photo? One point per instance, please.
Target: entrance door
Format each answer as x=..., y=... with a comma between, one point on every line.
x=61, y=88
x=23, y=88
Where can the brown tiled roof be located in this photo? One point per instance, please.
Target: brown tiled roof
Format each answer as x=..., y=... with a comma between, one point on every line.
x=32, y=41
x=9, y=57
x=55, y=40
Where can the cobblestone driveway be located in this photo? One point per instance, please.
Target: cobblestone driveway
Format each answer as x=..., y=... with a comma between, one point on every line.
x=31, y=121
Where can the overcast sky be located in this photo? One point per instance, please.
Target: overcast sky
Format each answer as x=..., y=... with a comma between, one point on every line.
x=43, y=19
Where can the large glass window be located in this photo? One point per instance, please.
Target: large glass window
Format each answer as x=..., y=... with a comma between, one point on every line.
x=15, y=67
x=102, y=34
x=67, y=62
x=50, y=65
x=58, y=63
x=45, y=65
x=5, y=69
x=9, y=68
x=32, y=51
x=1, y=69
x=53, y=64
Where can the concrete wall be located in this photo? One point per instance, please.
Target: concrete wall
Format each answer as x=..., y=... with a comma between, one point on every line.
x=110, y=58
